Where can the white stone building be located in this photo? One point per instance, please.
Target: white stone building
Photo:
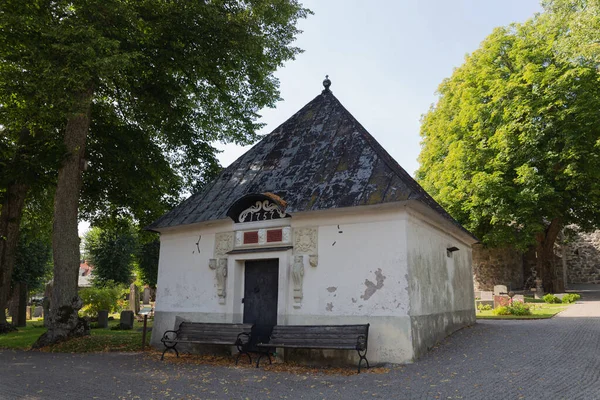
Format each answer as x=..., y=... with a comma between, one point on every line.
x=318, y=224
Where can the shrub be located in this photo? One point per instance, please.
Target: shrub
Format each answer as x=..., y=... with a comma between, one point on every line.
x=519, y=308
x=96, y=299
x=503, y=310
x=514, y=308
x=551, y=299
x=484, y=307
x=570, y=298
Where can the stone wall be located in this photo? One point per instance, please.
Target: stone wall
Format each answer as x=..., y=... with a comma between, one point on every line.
x=497, y=266
x=506, y=266
x=583, y=258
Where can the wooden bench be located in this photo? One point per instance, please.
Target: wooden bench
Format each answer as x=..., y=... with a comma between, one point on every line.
x=335, y=337
x=209, y=333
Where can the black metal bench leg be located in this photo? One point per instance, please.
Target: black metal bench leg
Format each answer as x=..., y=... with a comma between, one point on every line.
x=260, y=356
x=240, y=354
x=167, y=348
x=362, y=357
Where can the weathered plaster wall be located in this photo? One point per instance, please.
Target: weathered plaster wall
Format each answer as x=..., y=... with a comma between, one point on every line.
x=361, y=278
x=497, y=266
x=583, y=258
x=186, y=285
x=441, y=287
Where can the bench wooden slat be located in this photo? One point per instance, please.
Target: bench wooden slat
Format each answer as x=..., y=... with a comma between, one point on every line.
x=229, y=339
x=315, y=335
x=215, y=333
x=318, y=336
x=208, y=333
x=293, y=346
x=346, y=342
x=211, y=333
x=215, y=341
x=322, y=328
x=203, y=329
x=218, y=327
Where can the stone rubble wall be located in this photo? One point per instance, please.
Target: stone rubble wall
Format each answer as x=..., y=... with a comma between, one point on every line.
x=583, y=258
x=497, y=266
x=507, y=266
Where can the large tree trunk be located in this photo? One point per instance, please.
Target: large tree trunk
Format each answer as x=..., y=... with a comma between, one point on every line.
x=21, y=315
x=64, y=321
x=10, y=221
x=545, y=254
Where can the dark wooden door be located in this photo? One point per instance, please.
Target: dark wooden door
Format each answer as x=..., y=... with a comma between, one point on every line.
x=261, y=283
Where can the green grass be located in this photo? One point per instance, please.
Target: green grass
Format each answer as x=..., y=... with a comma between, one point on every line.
x=540, y=311
x=24, y=337
x=100, y=340
x=533, y=300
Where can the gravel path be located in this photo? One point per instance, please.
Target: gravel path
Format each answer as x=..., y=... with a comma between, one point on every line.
x=557, y=358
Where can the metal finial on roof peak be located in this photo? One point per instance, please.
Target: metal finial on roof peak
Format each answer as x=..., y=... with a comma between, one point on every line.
x=326, y=83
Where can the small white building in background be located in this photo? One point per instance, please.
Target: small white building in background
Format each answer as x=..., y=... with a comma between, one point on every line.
x=318, y=224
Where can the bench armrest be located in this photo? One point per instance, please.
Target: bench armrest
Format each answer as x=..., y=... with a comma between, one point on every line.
x=169, y=336
x=361, y=342
x=239, y=342
x=265, y=344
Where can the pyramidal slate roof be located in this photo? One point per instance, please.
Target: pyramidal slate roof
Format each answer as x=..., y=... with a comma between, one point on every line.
x=320, y=158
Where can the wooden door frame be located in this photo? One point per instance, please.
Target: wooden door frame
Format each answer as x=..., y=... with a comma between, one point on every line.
x=236, y=265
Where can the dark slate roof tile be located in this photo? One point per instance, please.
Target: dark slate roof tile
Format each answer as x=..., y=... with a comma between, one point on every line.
x=320, y=158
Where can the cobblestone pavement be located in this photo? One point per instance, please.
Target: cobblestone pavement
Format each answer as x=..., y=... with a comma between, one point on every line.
x=544, y=359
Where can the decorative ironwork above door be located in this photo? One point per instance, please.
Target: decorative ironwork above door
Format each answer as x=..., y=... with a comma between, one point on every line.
x=257, y=207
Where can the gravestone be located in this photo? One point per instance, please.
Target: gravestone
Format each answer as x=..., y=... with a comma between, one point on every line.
x=501, y=301
x=30, y=312
x=134, y=299
x=477, y=295
x=38, y=312
x=500, y=290
x=46, y=309
x=519, y=297
x=103, y=319
x=146, y=296
x=539, y=289
x=126, y=319
x=487, y=296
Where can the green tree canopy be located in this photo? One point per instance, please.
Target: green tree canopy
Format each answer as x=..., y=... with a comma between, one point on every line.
x=34, y=251
x=512, y=147
x=147, y=258
x=111, y=251
x=173, y=76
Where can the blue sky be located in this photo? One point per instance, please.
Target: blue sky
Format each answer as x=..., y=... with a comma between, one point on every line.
x=385, y=60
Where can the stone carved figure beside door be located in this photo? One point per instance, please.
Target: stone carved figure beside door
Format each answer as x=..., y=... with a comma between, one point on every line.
x=297, y=279
x=223, y=243
x=220, y=268
x=305, y=242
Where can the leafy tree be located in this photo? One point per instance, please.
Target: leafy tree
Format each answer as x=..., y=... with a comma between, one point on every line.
x=103, y=298
x=147, y=260
x=183, y=73
x=111, y=251
x=512, y=147
x=34, y=252
x=25, y=156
